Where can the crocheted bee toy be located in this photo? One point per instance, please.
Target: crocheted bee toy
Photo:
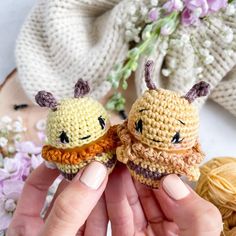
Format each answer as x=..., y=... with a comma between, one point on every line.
x=160, y=136
x=78, y=132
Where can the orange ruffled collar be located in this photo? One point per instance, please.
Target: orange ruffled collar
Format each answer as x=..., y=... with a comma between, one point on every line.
x=107, y=143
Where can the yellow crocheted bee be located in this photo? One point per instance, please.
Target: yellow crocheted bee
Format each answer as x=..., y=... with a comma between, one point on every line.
x=78, y=132
x=161, y=134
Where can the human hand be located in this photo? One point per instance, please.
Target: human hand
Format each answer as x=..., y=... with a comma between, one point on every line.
x=173, y=209
x=71, y=208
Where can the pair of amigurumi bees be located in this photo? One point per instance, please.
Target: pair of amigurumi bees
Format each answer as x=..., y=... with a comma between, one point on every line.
x=159, y=137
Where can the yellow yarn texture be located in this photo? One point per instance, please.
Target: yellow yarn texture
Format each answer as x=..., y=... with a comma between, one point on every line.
x=78, y=118
x=164, y=113
x=217, y=184
x=160, y=138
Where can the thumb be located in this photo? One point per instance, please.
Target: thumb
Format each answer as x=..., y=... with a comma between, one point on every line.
x=73, y=206
x=193, y=215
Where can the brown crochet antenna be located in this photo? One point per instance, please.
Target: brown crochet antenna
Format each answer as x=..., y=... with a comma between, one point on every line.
x=148, y=80
x=46, y=99
x=81, y=88
x=198, y=90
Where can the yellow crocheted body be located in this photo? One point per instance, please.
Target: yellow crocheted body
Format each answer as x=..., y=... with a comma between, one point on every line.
x=78, y=119
x=163, y=114
x=69, y=171
x=78, y=131
x=160, y=137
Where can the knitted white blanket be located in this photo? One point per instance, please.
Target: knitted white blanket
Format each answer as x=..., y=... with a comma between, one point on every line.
x=64, y=40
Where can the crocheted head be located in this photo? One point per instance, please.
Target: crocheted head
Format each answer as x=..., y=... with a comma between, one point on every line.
x=160, y=136
x=78, y=131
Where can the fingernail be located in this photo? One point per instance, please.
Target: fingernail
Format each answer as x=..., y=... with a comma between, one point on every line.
x=94, y=175
x=175, y=187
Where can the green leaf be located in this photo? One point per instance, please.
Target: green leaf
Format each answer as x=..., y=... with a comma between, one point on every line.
x=127, y=74
x=116, y=102
x=134, y=66
x=124, y=85
x=133, y=53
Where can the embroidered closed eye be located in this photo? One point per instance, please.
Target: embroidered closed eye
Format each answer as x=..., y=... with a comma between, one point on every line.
x=176, y=138
x=64, y=138
x=102, y=122
x=139, y=126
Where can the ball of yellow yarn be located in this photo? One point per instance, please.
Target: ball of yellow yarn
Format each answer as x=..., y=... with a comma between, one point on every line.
x=217, y=184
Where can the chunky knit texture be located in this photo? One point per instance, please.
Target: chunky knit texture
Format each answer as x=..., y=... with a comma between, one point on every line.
x=160, y=137
x=62, y=41
x=183, y=76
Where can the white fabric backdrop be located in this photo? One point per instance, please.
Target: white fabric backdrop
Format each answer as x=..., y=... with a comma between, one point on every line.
x=12, y=14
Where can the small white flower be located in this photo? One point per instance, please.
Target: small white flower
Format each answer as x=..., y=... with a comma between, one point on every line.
x=129, y=25
x=204, y=52
x=185, y=38
x=198, y=70
x=230, y=10
x=229, y=52
x=207, y=44
x=11, y=149
x=200, y=76
x=172, y=63
x=17, y=138
x=3, y=141
x=41, y=125
x=6, y=119
x=166, y=72
x=229, y=38
x=10, y=205
x=132, y=9
x=179, y=5
x=134, y=18
x=144, y=11
x=209, y=60
x=197, y=12
x=154, y=3
x=136, y=39
x=11, y=165
x=228, y=35
x=17, y=127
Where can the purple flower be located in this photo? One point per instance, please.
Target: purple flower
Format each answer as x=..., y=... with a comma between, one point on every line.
x=216, y=5
x=189, y=18
x=197, y=7
x=173, y=5
x=36, y=161
x=28, y=147
x=168, y=28
x=17, y=168
x=153, y=14
x=10, y=192
x=42, y=136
